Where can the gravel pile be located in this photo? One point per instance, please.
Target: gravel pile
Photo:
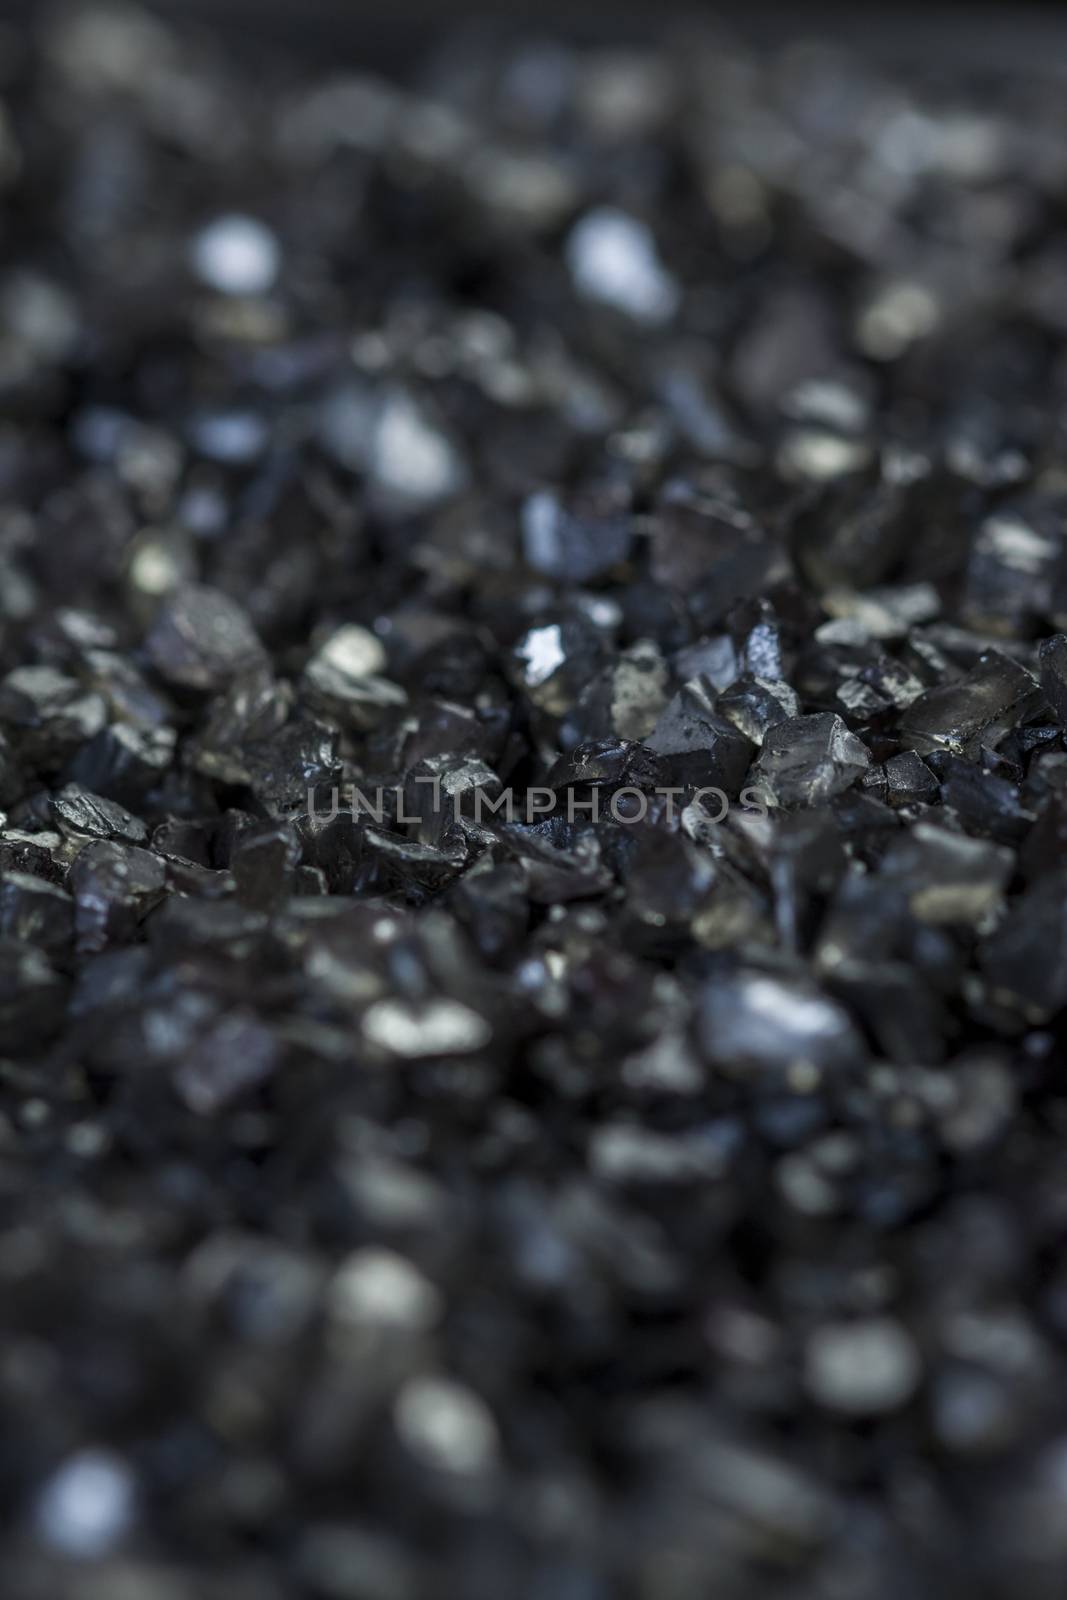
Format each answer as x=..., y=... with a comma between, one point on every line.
x=533, y=930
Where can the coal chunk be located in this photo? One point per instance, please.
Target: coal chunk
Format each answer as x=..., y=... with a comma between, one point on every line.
x=124, y=763
x=231, y=1056
x=1025, y=958
x=201, y=639
x=947, y=877
x=93, y=816
x=756, y=1022
x=32, y=997
x=36, y=912
x=114, y=887
x=808, y=759
x=574, y=545
x=909, y=779
x=755, y=705
x=976, y=710
x=698, y=746
x=1052, y=655
x=47, y=715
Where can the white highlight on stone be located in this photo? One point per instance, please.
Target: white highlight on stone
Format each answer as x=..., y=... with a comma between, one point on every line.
x=613, y=258
x=86, y=1507
x=410, y=458
x=432, y=1028
x=353, y=650
x=446, y=1425
x=379, y=1288
x=236, y=255
x=542, y=651
x=862, y=1368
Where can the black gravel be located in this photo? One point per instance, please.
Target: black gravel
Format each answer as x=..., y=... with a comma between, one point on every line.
x=657, y=1191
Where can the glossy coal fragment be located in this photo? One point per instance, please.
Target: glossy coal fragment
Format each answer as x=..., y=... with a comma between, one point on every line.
x=230, y=1057
x=976, y=710
x=699, y=747
x=909, y=779
x=344, y=679
x=281, y=770
x=254, y=708
x=201, y=639
x=32, y=996
x=263, y=863
x=756, y=1023
x=808, y=759
x=853, y=535
x=1052, y=655
x=1025, y=958
x=755, y=705
x=390, y=860
x=708, y=545
x=114, y=887
x=947, y=877
x=35, y=853
x=614, y=762
x=1013, y=562
x=625, y=700
x=574, y=545
x=553, y=662
x=34, y=911
x=987, y=805
x=80, y=814
x=47, y=715
x=123, y=762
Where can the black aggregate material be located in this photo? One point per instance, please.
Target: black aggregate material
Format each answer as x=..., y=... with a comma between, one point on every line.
x=655, y=1192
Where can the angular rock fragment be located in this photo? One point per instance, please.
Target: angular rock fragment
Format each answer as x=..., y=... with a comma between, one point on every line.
x=263, y=863
x=34, y=911
x=909, y=779
x=1025, y=958
x=755, y=705
x=987, y=805
x=32, y=996
x=977, y=710
x=698, y=746
x=202, y=639
x=574, y=546
x=624, y=701
x=808, y=759
x=123, y=762
x=947, y=877
x=82, y=815
x=230, y=1057
x=47, y=715
x=343, y=680
x=114, y=887
x=1052, y=655
x=755, y=1023
x=553, y=662
x=1013, y=561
